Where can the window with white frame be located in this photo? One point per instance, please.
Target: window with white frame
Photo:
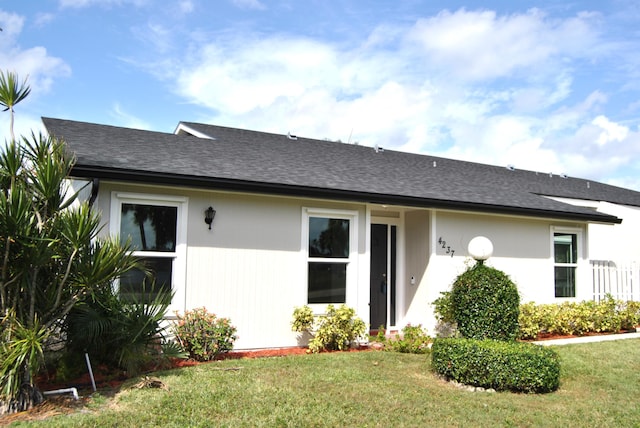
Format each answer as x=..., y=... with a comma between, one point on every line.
x=154, y=227
x=565, y=254
x=330, y=249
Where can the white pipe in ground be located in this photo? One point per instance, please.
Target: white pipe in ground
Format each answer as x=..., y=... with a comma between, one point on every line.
x=73, y=391
x=93, y=381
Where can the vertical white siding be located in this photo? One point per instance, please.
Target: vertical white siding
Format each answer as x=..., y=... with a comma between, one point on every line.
x=256, y=289
x=417, y=256
x=250, y=267
x=522, y=249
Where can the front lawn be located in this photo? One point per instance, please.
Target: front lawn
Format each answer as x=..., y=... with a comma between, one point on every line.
x=600, y=387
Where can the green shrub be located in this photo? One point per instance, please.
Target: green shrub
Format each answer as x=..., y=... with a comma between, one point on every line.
x=605, y=315
x=412, y=340
x=203, y=335
x=128, y=334
x=24, y=350
x=529, y=321
x=501, y=365
x=577, y=318
x=335, y=330
x=381, y=336
x=629, y=314
x=443, y=308
x=485, y=304
x=303, y=319
x=445, y=322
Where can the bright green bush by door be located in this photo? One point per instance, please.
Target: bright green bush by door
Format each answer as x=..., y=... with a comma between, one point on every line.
x=485, y=304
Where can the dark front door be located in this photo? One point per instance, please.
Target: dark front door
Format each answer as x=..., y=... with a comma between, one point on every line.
x=382, y=285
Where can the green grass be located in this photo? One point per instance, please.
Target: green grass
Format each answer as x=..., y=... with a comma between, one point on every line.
x=600, y=387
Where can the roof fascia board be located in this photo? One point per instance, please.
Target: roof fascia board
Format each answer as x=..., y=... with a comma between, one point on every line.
x=182, y=128
x=343, y=195
x=591, y=203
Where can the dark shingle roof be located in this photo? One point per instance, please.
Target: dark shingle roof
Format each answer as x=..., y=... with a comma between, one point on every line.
x=243, y=160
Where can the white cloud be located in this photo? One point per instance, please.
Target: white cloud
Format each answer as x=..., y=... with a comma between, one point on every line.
x=11, y=25
x=186, y=6
x=429, y=87
x=156, y=35
x=599, y=148
x=43, y=19
x=239, y=78
x=610, y=131
x=23, y=126
x=34, y=65
x=482, y=45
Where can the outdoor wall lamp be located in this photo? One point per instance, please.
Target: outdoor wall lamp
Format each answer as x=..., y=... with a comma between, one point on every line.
x=209, y=215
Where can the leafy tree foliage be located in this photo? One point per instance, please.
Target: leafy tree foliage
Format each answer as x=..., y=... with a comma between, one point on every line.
x=51, y=255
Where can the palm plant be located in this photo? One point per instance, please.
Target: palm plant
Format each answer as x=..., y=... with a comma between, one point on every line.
x=51, y=253
x=11, y=93
x=127, y=334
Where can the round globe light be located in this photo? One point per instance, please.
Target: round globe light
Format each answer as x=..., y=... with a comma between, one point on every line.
x=480, y=248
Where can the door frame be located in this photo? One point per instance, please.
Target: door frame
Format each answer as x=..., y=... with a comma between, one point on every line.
x=399, y=266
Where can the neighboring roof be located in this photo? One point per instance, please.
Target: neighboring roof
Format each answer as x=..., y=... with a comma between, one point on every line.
x=242, y=160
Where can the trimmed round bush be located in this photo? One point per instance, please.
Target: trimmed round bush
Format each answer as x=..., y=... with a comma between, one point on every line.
x=485, y=304
x=203, y=335
x=503, y=366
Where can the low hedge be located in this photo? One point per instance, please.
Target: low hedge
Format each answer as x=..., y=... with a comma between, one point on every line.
x=574, y=318
x=578, y=318
x=503, y=366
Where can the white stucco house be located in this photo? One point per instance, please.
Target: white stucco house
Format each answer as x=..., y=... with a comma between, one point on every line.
x=301, y=221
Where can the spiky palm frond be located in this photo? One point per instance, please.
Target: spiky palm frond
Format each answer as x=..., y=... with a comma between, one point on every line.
x=11, y=93
x=11, y=90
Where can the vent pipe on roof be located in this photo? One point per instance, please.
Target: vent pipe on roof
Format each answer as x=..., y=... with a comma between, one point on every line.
x=511, y=167
x=435, y=164
x=378, y=149
x=291, y=137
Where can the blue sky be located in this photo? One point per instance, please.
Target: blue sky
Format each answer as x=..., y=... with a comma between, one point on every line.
x=550, y=86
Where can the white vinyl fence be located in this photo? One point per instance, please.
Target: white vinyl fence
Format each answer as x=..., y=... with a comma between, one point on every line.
x=620, y=279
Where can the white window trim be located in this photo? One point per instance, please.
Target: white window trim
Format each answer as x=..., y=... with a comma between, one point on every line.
x=351, y=293
x=179, y=270
x=578, y=265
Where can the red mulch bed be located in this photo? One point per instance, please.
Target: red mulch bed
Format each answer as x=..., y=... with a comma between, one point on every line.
x=549, y=336
x=260, y=353
x=111, y=379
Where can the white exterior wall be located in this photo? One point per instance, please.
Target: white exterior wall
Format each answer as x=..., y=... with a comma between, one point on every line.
x=251, y=266
x=82, y=187
x=619, y=242
x=616, y=242
x=523, y=249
